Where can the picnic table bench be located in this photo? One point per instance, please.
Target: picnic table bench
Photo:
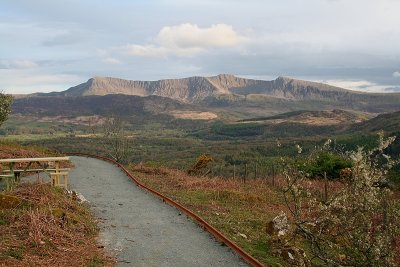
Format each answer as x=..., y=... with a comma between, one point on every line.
x=49, y=165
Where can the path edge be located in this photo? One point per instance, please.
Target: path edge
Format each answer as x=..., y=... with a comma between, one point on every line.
x=200, y=221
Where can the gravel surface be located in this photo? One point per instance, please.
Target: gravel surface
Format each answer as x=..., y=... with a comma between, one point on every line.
x=139, y=228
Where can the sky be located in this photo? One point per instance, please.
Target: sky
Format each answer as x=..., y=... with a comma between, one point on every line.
x=51, y=45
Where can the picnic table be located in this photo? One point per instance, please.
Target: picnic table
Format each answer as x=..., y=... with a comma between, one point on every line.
x=49, y=165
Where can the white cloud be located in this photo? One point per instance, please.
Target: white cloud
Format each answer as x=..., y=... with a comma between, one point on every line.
x=17, y=64
x=396, y=74
x=186, y=40
x=145, y=51
x=360, y=85
x=112, y=61
x=190, y=35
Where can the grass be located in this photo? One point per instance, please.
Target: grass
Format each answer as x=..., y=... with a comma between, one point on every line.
x=239, y=210
x=10, y=150
x=48, y=228
x=42, y=225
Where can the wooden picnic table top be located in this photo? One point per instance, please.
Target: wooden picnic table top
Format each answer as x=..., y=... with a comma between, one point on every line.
x=34, y=159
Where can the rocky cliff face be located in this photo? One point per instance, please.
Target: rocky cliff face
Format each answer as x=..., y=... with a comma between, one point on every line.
x=187, y=90
x=288, y=88
x=196, y=89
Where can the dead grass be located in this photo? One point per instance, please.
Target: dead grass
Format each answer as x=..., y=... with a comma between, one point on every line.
x=12, y=150
x=194, y=115
x=239, y=210
x=48, y=228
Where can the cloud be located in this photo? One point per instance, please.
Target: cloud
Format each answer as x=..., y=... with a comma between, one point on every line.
x=361, y=85
x=17, y=64
x=192, y=36
x=111, y=60
x=186, y=40
x=145, y=51
x=393, y=89
x=396, y=74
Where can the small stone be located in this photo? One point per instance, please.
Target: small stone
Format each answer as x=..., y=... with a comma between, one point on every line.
x=243, y=235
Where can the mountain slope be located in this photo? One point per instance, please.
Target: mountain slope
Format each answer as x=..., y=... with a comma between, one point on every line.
x=389, y=122
x=293, y=89
x=195, y=89
x=108, y=105
x=191, y=89
x=228, y=90
x=324, y=117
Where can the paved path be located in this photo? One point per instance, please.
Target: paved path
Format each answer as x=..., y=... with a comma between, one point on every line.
x=140, y=228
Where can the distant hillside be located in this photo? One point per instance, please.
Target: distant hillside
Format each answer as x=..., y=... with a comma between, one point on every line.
x=312, y=117
x=108, y=105
x=389, y=122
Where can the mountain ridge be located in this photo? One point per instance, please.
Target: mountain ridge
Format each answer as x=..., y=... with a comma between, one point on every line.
x=226, y=90
x=197, y=88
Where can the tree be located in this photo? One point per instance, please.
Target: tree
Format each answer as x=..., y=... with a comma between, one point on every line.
x=116, y=142
x=5, y=106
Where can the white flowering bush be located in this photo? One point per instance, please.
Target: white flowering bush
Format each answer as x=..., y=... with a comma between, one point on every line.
x=359, y=224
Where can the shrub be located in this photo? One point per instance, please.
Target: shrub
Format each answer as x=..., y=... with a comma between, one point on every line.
x=358, y=225
x=330, y=163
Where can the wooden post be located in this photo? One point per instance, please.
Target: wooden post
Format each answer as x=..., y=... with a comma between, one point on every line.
x=57, y=172
x=255, y=170
x=234, y=171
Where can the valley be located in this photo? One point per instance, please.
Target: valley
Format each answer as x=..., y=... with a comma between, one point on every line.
x=200, y=133
x=249, y=132
x=238, y=118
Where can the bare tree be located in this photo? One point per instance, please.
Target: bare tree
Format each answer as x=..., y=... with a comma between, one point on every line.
x=115, y=140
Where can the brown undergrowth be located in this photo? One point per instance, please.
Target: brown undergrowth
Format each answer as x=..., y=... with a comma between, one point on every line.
x=241, y=210
x=43, y=226
x=12, y=150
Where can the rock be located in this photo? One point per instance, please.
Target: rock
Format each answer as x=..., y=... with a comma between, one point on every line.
x=82, y=199
x=278, y=226
x=243, y=235
x=293, y=255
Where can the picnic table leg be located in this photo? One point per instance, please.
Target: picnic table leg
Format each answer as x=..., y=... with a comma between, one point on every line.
x=53, y=179
x=57, y=171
